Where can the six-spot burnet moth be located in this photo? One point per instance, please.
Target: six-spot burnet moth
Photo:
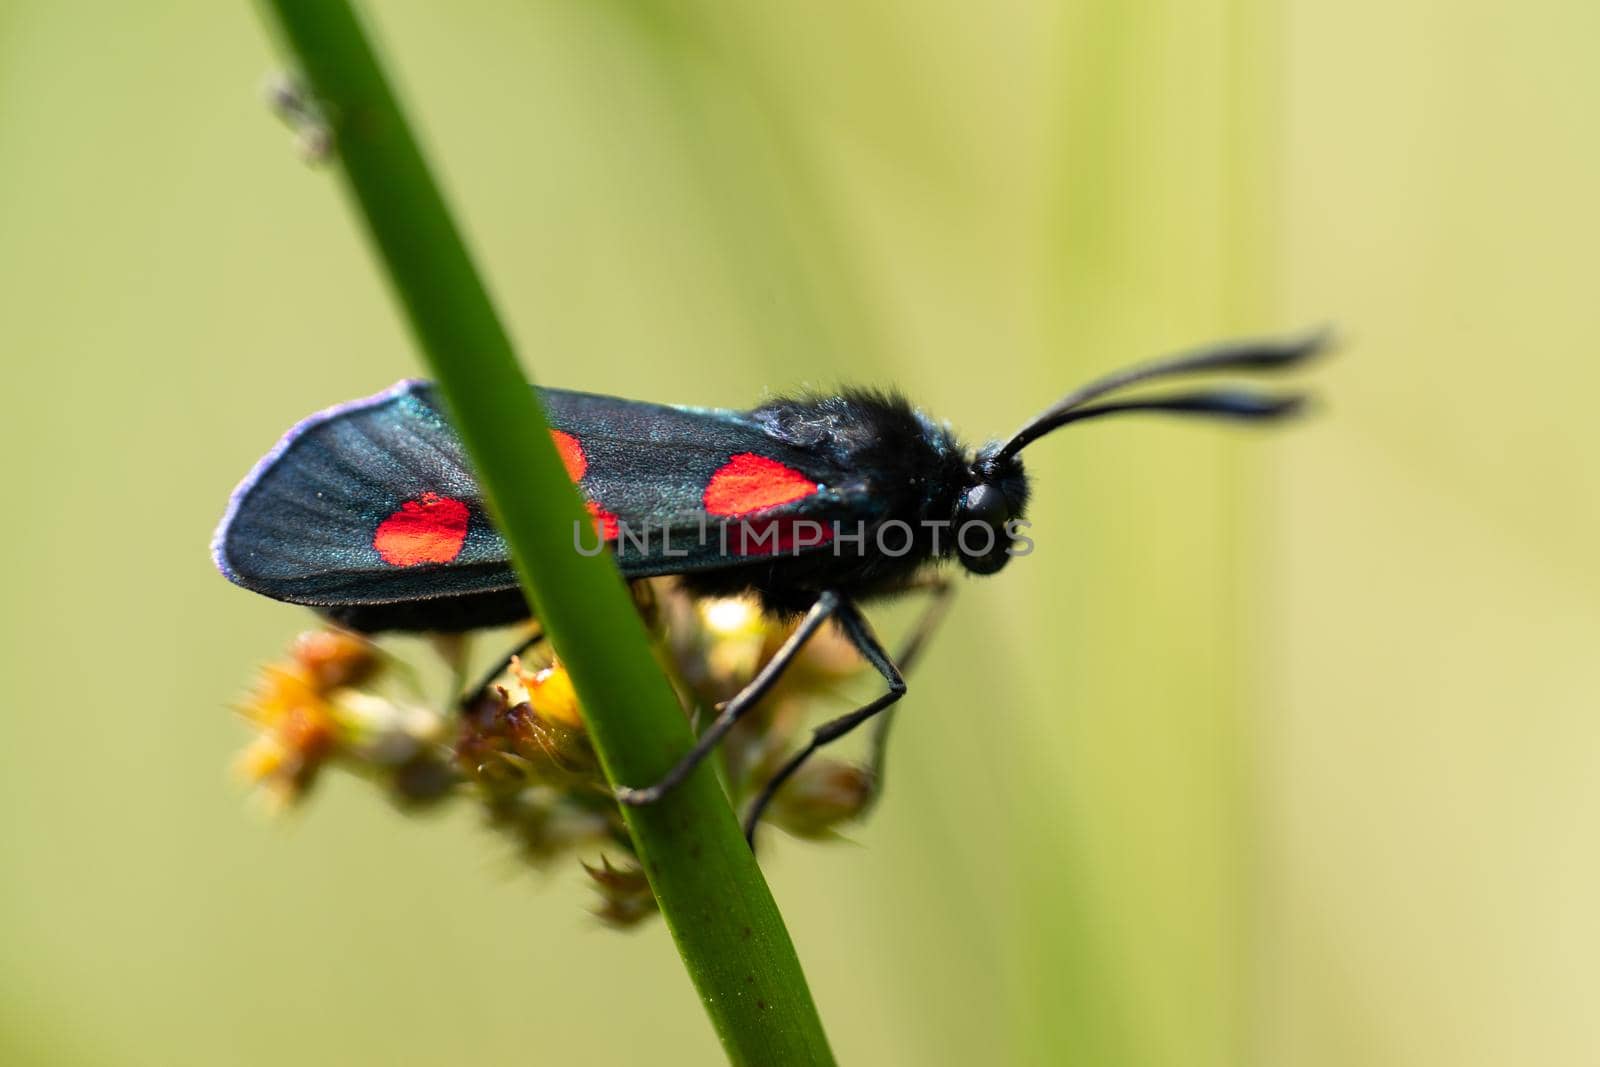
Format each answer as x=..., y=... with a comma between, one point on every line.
x=368, y=511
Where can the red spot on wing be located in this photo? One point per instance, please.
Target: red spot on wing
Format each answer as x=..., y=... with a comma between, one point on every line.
x=429, y=529
x=571, y=453
x=777, y=537
x=604, y=522
x=749, y=483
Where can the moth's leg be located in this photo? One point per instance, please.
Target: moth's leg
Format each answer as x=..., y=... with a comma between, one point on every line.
x=940, y=590
x=479, y=691
x=827, y=605
x=866, y=642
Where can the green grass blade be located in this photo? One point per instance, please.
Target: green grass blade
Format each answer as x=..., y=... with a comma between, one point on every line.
x=715, y=901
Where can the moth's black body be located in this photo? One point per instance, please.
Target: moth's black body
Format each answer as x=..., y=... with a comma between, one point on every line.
x=369, y=513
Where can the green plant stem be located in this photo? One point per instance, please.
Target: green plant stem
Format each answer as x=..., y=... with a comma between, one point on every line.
x=711, y=893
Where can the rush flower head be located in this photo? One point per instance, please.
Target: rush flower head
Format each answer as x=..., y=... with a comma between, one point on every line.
x=298, y=732
x=823, y=795
x=296, y=736
x=538, y=739
x=550, y=694
x=334, y=658
x=310, y=713
x=517, y=750
x=625, y=895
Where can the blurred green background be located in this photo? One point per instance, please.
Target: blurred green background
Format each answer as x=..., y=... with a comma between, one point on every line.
x=1280, y=750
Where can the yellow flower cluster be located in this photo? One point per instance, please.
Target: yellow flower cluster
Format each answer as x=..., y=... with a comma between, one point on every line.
x=517, y=748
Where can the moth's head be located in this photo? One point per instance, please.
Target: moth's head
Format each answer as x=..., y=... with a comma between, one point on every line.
x=997, y=489
x=995, y=497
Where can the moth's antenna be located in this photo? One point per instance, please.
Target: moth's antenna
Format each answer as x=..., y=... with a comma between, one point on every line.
x=1238, y=404
x=1258, y=355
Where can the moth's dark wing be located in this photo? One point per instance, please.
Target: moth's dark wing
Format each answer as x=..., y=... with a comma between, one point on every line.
x=372, y=502
x=650, y=470
x=314, y=521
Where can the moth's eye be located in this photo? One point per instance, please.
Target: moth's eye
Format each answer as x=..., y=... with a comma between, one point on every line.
x=981, y=538
x=985, y=504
